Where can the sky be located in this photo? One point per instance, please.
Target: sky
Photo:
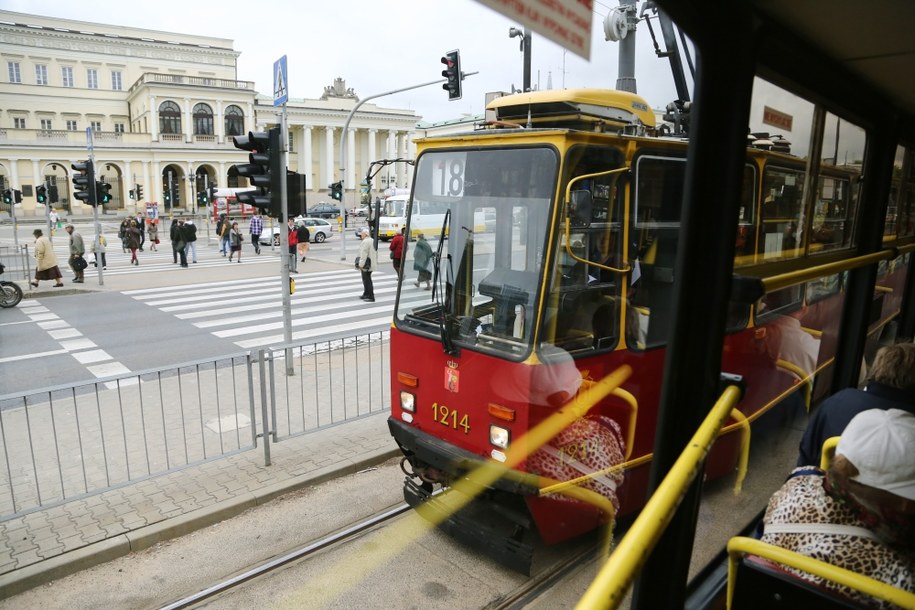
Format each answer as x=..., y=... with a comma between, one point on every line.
x=378, y=46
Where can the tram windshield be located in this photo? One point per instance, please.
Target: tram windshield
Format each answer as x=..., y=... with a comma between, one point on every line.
x=473, y=279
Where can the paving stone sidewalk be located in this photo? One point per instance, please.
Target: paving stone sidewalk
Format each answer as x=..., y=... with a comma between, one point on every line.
x=51, y=543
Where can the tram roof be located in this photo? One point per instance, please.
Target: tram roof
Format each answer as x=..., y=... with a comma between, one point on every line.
x=555, y=107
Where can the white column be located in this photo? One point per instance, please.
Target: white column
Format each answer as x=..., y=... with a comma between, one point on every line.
x=219, y=129
x=351, y=180
x=411, y=154
x=371, y=156
x=305, y=160
x=249, y=119
x=154, y=188
x=14, y=173
x=153, y=119
x=390, y=153
x=147, y=193
x=188, y=123
x=329, y=158
x=126, y=185
x=222, y=180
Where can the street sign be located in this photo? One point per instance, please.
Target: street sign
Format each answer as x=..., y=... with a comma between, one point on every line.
x=280, y=84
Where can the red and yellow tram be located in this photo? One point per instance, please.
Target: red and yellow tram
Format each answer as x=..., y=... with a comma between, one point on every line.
x=553, y=266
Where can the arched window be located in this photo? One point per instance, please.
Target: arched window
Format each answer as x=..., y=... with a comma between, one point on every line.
x=203, y=120
x=169, y=118
x=235, y=121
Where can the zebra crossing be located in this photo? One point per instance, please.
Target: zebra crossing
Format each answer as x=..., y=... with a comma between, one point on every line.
x=249, y=312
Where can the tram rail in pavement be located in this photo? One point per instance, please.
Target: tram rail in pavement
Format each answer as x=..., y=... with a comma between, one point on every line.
x=46, y=544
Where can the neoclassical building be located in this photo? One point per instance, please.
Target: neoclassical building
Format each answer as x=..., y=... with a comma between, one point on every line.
x=163, y=106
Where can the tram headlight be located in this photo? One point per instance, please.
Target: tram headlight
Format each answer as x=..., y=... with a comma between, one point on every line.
x=407, y=401
x=499, y=436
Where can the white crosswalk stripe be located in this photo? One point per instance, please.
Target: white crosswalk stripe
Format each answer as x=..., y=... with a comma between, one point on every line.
x=249, y=311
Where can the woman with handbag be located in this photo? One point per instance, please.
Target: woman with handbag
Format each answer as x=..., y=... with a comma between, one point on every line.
x=366, y=263
x=235, y=241
x=133, y=241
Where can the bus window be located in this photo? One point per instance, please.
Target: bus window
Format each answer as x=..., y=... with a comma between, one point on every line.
x=831, y=214
x=745, y=245
x=905, y=226
x=835, y=202
x=655, y=234
x=889, y=226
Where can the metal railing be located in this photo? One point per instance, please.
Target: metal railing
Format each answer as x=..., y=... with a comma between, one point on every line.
x=17, y=263
x=64, y=442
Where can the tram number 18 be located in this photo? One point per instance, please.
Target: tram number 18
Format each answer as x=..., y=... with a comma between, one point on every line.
x=450, y=417
x=448, y=177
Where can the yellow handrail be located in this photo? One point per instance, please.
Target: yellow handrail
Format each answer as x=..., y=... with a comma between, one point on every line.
x=613, y=581
x=739, y=546
x=805, y=378
x=829, y=450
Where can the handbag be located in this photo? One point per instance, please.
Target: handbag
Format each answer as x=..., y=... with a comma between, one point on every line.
x=80, y=263
x=368, y=264
x=392, y=255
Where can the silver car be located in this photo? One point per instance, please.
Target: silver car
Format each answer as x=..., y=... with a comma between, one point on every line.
x=318, y=229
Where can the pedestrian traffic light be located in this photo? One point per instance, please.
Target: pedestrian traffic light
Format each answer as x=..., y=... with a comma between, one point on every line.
x=212, y=192
x=130, y=194
x=102, y=192
x=139, y=192
x=84, y=182
x=176, y=194
x=264, y=170
x=201, y=197
x=41, y=194
x=452, y=72
x=8, y=197
x=336, y=191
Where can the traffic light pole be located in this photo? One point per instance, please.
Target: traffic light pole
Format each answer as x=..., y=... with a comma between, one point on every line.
x=94, y=195
x=343, y=139
x=284, y=244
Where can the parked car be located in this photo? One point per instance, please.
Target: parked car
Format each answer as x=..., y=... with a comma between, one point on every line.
x=318, y=229
x=361, y=212
x=324, y=210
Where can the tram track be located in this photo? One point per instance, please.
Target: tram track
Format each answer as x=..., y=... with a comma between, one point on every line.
x=298, y=554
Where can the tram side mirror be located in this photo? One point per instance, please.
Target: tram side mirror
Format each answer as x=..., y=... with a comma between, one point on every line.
x=579, y=211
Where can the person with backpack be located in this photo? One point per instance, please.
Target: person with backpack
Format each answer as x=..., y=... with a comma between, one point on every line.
x=293, y=236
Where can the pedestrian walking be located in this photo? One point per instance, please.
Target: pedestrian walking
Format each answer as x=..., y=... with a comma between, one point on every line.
x=422, y=261
x=256, y=227
x=178, y=242
x=153, y=232
x=141, y=227
x=96, y=251
x=174, y=237
x=304, y=237
x=224, y=230
x=366, y=263
x=133, y=242
x=293, y=236
x=77, y=250
x=190, y=240
x=46, y=267
x=122, y=233
x=236, y=239
x=53, y=220
x=396, y=248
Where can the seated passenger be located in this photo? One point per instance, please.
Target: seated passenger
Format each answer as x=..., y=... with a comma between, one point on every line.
x=891, y=386
x=860, y=514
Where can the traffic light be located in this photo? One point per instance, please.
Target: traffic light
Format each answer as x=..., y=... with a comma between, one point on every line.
x=8, y=197
x=336, y=191
x=84, y=182
x=212, y=192
x=176, y=194
x=452, y=72
x=167, y=195
x=102, y=192
x=139, y=192
x=130, y=194
x=41, y=194
x=201, y=197
x=264, y=170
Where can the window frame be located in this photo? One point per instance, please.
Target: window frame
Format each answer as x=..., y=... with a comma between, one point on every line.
x=66, y=76
x=14, y=72
x=91, y=78
x=41, y=74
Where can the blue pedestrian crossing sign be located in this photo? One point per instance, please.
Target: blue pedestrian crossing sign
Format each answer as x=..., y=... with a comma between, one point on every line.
x=280, y=84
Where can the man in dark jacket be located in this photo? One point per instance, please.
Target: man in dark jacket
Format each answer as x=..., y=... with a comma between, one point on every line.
x=891, y=386
x=190, y=240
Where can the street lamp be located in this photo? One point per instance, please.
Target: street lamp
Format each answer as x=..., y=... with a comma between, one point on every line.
x=525, y=36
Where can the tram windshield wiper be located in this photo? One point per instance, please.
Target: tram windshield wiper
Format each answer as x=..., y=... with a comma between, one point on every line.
x=443, y=326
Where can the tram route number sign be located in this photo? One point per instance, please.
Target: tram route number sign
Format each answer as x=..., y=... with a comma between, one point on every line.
x=777, y=118
x=448, y=175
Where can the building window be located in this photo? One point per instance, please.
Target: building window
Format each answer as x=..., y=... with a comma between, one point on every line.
x=46, y=124
x=116, y=81
x=96, y=125
x=235, y=121
x=15, y=74
x=66, y=75
x=169, y=118
x=119, y=128
x=92, y=78
x=203, y=120
x=41, y=74
x=19, y=122
x=71, y=125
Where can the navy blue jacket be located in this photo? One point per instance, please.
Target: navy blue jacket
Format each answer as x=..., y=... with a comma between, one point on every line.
x=835, y=412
